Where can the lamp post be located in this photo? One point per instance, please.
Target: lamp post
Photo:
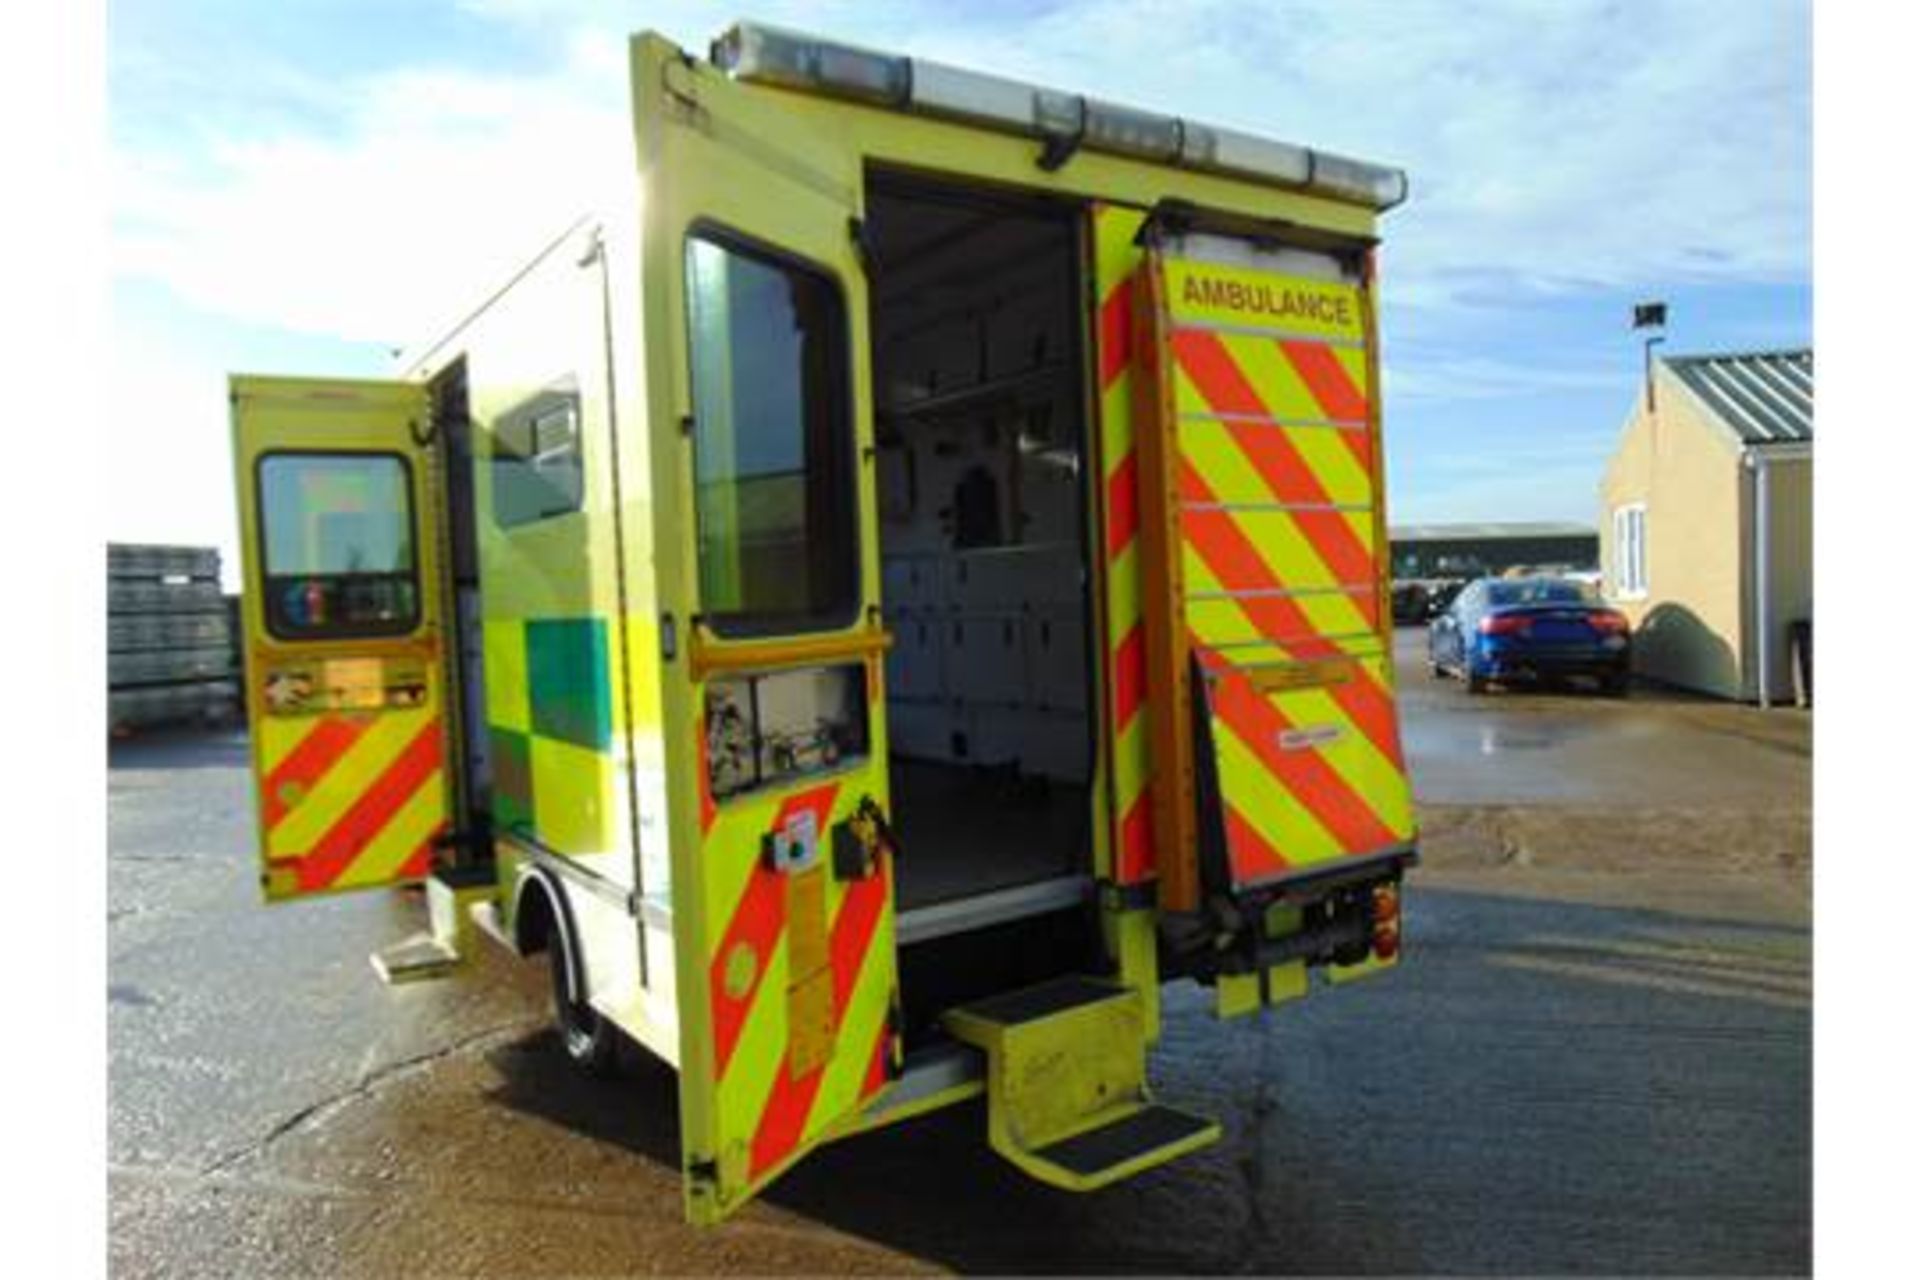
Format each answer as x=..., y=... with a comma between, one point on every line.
x=1650, y=315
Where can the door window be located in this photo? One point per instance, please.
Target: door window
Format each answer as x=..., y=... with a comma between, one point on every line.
x=337, y=545
x=773, y=442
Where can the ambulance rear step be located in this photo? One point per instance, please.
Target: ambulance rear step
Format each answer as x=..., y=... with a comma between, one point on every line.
x=1067, y=1098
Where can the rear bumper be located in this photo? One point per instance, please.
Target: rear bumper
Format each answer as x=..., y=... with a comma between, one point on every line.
x=1496, y=660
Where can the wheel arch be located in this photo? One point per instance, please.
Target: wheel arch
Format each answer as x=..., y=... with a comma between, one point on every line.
x=542, y=912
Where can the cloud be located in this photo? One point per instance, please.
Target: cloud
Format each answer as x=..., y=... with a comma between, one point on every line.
x=1553, y=149
x=1414, y=379
x=427, y=187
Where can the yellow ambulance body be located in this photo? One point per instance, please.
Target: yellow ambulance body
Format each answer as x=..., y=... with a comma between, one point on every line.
x=871, y=604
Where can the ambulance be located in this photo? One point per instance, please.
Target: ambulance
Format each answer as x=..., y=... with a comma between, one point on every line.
x=874, y=603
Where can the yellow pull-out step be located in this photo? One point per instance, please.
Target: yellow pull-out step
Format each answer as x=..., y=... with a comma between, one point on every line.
x=1066, y=1083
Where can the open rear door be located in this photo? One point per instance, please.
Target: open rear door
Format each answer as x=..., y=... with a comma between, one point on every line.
x=341, y=613
x=757, y=381
x=1264, y=558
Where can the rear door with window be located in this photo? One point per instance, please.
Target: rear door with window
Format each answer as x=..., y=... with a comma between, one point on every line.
x=755, y=344
x=341, y=614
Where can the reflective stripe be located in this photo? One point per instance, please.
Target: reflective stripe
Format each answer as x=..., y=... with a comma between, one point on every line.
x=328, y=861
x=1116, y=258
x=1278, y=516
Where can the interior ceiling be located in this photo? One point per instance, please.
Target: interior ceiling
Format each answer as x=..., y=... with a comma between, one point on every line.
x=927, y=247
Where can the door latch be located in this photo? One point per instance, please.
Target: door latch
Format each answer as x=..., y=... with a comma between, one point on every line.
x=859, y=842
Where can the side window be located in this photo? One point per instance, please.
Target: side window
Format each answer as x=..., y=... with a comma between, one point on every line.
x=337, y=553
x=536, y=453
x=773, y=442
x=1630, y=551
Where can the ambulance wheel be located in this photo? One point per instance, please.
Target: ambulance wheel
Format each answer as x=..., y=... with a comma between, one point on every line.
x=590, y=1041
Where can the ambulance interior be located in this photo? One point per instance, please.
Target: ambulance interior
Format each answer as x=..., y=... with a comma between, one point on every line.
x=980, y=435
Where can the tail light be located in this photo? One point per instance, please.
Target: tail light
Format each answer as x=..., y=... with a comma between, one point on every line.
x=1386, y=921
x=1505, y=624
x=1607, y=622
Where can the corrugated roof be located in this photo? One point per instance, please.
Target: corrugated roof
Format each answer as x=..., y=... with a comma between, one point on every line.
x=1490, y=532
x=1765, y=397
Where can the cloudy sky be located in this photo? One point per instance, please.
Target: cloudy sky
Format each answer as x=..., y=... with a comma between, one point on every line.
x=303, y=186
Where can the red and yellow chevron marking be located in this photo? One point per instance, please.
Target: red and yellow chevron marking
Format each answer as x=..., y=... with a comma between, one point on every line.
x=349, y=800
x=1116, y=258
x=1277, y=481
x=765, y=1114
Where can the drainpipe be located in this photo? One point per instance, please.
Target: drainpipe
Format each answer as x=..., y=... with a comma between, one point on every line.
x=1763, y=587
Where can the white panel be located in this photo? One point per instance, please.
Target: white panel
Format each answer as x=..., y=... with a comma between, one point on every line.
x=915, y=665
x=913, y=583
x=985, y=659
x=1056, y=660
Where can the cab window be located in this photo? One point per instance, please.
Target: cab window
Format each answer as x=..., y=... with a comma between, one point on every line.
x=773, y=441
x=337, y=547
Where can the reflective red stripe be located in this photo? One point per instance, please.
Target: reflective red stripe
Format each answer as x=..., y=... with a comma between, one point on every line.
x=1272, y=455
x=1136, y=841
x=783, y=1120
x=1129, y=677
x=420, y=861
x=1338, y=398
x=1116, y=333
x=1258, y=724
x=1327, y=379
x=705, y=780
x=784, y=1117
x=876, y=1077
x=369, y=814
x=756, y=923
x=309, y=760
x=1123, y=506
x=853, y=930
x=1368, y=706
x=1252, y=856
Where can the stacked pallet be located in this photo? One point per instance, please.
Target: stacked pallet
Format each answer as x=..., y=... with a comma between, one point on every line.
x=171, y=655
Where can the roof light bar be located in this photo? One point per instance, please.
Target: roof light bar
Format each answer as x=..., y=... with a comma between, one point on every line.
x=761, y=54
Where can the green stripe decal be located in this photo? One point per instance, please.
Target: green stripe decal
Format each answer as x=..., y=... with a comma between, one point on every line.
x=567, y=681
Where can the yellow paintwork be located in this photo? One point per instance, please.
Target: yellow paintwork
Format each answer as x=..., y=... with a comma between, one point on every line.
x=605, y=304
x=272, y=414
x=788, y=169
x=714, y=154
x=1061, y=1074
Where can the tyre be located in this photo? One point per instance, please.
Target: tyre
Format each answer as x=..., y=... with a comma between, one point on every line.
x=589, y=1040
x=1476, y=683
x=1615, y=684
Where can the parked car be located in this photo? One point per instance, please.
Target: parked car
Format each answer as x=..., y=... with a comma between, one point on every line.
x=1500, y=629
x=1410, y=603
x=1441, y=593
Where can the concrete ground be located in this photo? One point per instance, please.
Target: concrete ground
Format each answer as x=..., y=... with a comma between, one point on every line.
x=1595, y=1059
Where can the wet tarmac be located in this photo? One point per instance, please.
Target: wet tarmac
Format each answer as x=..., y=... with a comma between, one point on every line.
x=1592, y=1061
x=1654, y=748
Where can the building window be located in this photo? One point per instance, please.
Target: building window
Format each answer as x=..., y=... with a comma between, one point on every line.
x=336, y=538
x=1630, y=551
x=537, y=469
x=774, y=505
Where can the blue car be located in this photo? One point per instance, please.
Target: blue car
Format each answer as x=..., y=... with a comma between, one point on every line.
x=1501, y=629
